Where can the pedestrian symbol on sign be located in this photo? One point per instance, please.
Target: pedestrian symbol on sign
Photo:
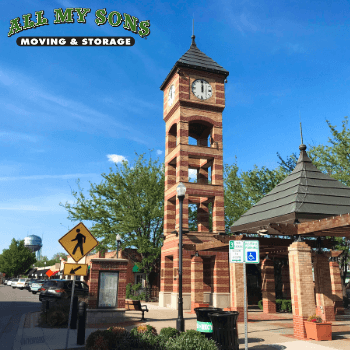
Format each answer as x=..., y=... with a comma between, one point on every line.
x=251, y=256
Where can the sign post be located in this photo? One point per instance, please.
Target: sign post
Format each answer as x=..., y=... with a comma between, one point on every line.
x=78, y=242
x=245, y=252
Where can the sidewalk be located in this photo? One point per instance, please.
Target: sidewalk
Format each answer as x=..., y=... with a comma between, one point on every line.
x=265, y=332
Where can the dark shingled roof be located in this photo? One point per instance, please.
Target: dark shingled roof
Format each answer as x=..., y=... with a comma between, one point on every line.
x=196, y=59
x=306, y=194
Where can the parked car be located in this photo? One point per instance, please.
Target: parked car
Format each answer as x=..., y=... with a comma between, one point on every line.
x=21, y=283
x=35, y=286
x=14, y=282
x=9, y=281
x=29, y=283
x=62, y=289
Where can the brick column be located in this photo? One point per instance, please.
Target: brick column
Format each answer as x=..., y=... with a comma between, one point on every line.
x=197, y=299
x=166, y=274
x=169, y=217
x=268, y=286
x=323, y=288
x=337, y=291
x=285, y=282
x=301, y=286
x=218, y=214
x=221, y=280
x=237, y=290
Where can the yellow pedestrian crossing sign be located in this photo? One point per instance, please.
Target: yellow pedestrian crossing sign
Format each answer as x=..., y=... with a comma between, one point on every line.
x=75, y=269
x=78, y=242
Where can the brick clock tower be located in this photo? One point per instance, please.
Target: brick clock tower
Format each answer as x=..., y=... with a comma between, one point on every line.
x=194, y=99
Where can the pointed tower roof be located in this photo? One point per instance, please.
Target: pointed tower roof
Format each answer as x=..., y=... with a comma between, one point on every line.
x=306, y=194
x=196, y=59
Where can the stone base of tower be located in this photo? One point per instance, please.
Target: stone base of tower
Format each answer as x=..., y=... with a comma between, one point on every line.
x=164, y=299
x=220, y=300
x=171, y=300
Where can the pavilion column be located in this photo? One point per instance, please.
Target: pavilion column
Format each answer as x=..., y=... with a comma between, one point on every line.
x=237, y=289
x=268, y=286
x=285, y=282
x=337, y=291
x=166, y=280
x=197, y=299
x=323, y=288
x=221, y=280
x=301, y=286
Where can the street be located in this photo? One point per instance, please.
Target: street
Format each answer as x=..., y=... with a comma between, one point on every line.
x=13, y=304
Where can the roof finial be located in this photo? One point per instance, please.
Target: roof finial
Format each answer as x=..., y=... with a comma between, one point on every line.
x=193, y=37
x=302, y=147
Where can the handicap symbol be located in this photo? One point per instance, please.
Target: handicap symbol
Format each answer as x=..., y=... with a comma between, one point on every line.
x=251, y=256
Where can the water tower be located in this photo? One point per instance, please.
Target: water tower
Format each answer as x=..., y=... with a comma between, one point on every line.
x=34, y=243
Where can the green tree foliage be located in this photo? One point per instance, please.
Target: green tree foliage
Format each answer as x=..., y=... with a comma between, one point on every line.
x=129, y=201
x=245, y=189
x=17, y=259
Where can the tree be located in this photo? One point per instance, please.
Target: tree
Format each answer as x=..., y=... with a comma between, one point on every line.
x=57, y=256
x=129, y=201
x=17, y=259
x=245, y=189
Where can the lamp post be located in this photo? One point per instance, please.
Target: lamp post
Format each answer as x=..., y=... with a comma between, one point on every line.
x=118, y=239
x=180, y=324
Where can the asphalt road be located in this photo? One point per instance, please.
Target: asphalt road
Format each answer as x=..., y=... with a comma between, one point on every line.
x=13, y=304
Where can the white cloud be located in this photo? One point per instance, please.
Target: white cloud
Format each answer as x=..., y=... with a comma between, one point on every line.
x=159, y=152
x=16, y=136
x=192, y=173
x=115, y=158
x=43, y=177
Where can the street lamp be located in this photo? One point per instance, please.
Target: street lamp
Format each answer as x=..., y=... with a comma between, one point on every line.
x=118, y=239
x=180, y=324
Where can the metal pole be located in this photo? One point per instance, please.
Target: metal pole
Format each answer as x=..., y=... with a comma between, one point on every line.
x=180, y=325
x=70, y=311
x=245, y=307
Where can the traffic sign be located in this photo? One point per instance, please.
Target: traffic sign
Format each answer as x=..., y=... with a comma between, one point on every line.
x=244, y=252
x=236, y=251
x=78, y=242
x=75, y=269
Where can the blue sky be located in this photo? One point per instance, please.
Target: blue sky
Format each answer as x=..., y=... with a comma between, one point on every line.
x=68, y=112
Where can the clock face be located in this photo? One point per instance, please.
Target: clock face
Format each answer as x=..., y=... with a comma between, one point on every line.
x=202, y=89
x=171, y=95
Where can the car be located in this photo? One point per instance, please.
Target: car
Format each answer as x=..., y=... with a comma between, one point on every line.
x=21, y=283
x=29, y=283
x=14, y=283
x=35, y=286
x=9, y=281
x=62, y=289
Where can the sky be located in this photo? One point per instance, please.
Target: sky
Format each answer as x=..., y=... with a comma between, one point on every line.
x=71, y=113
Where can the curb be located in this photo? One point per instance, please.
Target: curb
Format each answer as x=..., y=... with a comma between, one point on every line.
x=17, y=342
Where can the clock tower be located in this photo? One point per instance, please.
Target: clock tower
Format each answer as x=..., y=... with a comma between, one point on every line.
x=194, y=99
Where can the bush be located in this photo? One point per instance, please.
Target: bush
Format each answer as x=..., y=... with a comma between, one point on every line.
x=128, y=291
x=57, y=314
x=136, y=287
x=100, y=340
x=260, y=304
x=169, y=332
x=278, y=305
x=191, y=340
x=286, y=305
x=144, y=328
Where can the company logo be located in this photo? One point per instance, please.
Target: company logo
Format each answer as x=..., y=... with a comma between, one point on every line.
x=69, y=15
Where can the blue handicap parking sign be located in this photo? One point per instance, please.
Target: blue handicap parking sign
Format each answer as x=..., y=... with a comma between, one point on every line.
x=251, y=256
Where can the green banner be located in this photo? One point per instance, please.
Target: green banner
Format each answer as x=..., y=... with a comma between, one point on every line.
x=204, y=327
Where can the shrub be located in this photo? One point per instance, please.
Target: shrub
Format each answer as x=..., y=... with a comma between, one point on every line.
x=57, y=314
x=286, y=305
x=169, y=332
x=136, y=287
x=144, y=328
x=260, y=304
x=278, y=305
x=191, y=340
x=128, y=291
x=100, y=340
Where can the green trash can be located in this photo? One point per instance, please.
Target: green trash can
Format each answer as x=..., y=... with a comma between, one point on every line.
x=204, y=325
x=225, y=331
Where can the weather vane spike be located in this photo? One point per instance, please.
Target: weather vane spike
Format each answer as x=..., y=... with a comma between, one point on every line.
x=193, y=37
x=301, y=130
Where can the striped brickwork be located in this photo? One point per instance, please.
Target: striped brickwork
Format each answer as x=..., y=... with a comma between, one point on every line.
x=323, y=288
x=301, y=285
x=201, y=119
x=285, y=282
x=337, y=291
x=268, y=286
x=237, y=290
x=197, y=298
